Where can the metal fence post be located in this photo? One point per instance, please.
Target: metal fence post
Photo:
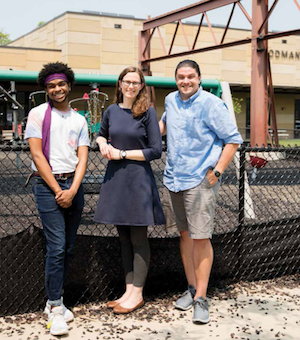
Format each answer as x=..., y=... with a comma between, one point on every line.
x=241, y=213
x=241, y=216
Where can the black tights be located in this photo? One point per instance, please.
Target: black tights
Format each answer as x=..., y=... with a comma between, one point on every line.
x=135, y=253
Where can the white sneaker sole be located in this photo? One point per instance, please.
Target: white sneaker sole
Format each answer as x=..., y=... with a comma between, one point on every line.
x=201, y=321
x=183, y=308
x=61, y=332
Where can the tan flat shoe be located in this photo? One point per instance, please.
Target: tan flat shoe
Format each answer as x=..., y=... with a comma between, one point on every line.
x=121, y=310
x=112, y=304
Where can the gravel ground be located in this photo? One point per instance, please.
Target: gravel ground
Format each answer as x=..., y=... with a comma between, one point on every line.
x=263, y=310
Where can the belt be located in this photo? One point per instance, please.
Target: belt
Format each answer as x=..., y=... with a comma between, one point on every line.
x=62, y=177
x=59, y=177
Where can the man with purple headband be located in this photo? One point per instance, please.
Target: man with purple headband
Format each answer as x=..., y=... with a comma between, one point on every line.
x=58, y=140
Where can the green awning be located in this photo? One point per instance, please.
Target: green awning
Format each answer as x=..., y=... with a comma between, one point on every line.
x=211, y=85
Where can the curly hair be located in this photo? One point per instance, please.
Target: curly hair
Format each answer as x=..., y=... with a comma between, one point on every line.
x=57, y=67
x=141, y=103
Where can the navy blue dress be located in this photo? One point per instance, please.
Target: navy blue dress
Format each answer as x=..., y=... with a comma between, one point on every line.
x=128, y=194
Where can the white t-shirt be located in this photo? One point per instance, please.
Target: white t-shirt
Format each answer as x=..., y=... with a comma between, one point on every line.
x=68, y=131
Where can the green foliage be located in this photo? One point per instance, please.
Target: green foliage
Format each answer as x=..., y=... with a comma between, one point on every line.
x=4, y=38
x=291, y=142
x=237, y=106
x=41, y=23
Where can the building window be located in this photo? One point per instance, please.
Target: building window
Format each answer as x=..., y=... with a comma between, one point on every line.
x=284, y=41
x=119, y=26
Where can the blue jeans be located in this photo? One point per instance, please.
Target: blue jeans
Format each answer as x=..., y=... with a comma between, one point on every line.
x=60, y=227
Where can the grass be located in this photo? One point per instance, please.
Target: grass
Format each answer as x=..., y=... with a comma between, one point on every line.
x=283, y=142
x=291, y=142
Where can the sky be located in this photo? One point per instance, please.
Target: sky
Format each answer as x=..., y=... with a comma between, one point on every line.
x=19, y=17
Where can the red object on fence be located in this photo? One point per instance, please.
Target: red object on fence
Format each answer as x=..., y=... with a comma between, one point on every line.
x=86, y=96
x=258, y=162
x=19, y=129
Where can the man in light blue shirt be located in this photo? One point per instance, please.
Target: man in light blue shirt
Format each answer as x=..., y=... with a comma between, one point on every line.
x=202, y=140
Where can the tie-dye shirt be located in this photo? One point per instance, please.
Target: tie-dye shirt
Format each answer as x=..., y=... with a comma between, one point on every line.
x=68, y=131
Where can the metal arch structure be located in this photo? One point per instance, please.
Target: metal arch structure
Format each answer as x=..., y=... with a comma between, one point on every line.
x=262, y=104
x=94, y=108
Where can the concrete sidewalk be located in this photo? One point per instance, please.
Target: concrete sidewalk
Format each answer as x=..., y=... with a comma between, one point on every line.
x=268, y=310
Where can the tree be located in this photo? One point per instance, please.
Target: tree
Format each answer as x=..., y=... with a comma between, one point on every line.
x=41, y=23
x=237, y=106
x=4, y=38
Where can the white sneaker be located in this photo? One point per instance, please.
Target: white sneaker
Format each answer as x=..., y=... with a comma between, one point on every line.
x=68, y=315
x=56, y=321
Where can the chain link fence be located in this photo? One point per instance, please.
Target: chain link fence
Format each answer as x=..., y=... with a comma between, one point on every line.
x=257, y=231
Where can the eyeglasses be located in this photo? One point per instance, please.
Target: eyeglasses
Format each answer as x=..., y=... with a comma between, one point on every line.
x=134, y=83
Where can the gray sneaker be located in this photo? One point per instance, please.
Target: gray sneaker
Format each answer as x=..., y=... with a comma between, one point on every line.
x=185, y=302
x=201, y=311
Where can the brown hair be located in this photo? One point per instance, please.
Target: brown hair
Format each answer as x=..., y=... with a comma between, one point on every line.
x=141, y=103
x=188, y=63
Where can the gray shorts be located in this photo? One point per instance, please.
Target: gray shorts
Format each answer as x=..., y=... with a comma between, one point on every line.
x=194, y=209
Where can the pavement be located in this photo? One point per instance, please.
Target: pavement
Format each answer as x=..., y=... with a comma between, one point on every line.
x=265, y=310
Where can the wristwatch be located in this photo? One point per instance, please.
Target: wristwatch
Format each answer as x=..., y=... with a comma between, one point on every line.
x=217, y=173
x=123, y=154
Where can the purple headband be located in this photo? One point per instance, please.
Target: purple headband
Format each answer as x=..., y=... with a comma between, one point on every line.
x=56, y=76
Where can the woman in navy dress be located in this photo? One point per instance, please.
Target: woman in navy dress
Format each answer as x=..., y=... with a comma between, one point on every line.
x=130, y=138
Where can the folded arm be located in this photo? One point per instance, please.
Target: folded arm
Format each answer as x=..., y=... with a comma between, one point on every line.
x=153, y=151
x=65, y=197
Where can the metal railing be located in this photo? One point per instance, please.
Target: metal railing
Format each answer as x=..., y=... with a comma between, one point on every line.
x=283, y=135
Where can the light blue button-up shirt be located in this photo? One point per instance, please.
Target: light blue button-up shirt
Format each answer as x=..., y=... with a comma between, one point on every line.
x=197, y=129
